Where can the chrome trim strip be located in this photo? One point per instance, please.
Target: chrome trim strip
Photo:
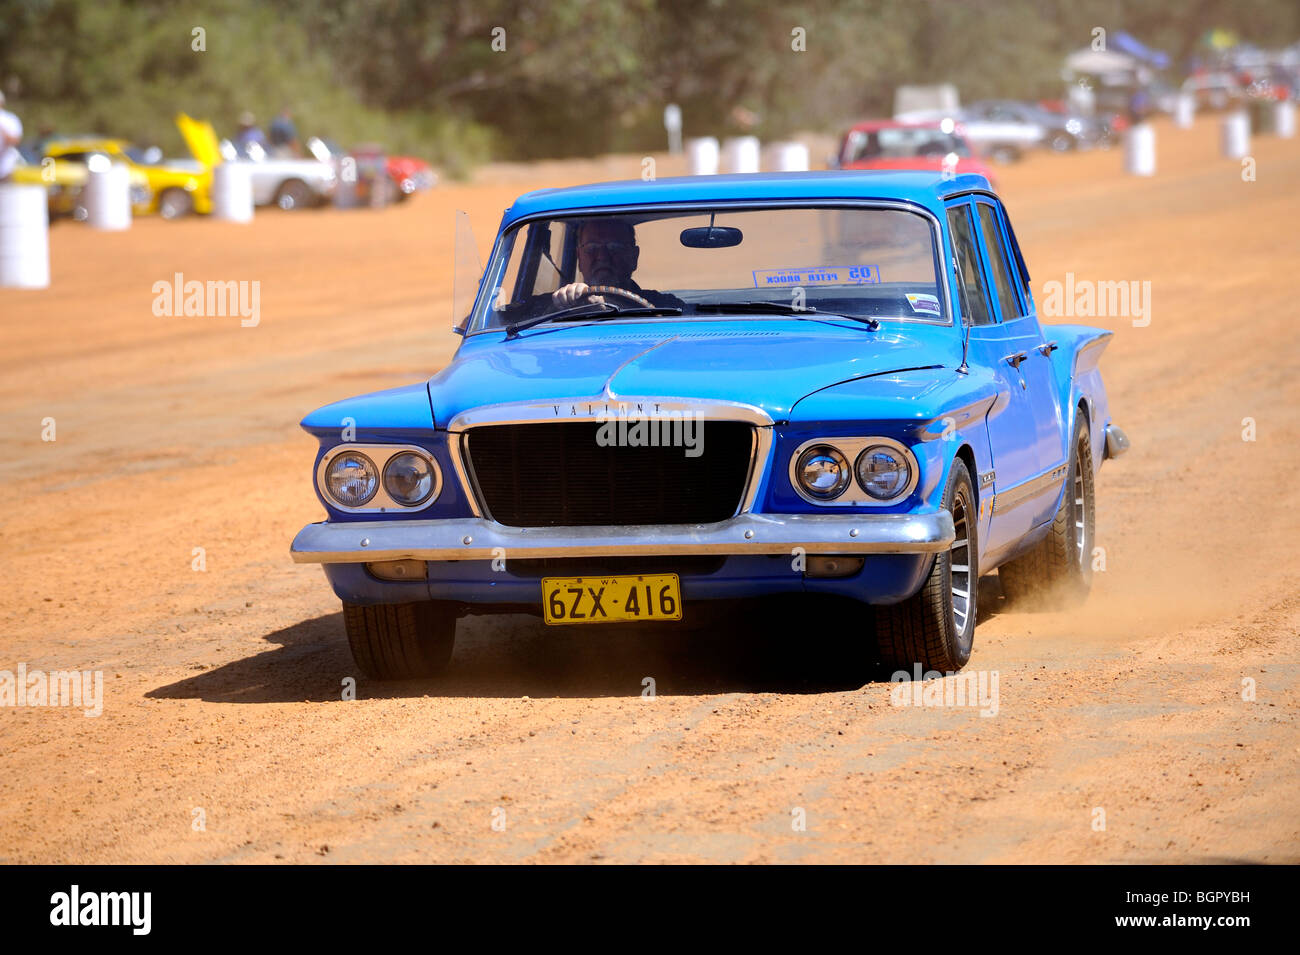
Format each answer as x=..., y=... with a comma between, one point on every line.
x=606, y=403
x=380, y=454
x=476, y=539
x=1047, y=481
x=852, y=449
x=1117, y=441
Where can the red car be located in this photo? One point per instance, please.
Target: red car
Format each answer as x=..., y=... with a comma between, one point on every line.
x=888, y=144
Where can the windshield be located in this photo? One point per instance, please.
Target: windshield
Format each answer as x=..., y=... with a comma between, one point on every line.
x=865, y=262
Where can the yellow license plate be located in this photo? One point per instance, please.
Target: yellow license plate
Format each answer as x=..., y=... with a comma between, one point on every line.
x=621, y=599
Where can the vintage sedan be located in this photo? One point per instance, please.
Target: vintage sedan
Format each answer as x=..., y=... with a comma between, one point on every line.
x=725, y=387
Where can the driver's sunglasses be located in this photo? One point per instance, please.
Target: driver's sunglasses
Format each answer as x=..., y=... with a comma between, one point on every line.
x=590, y=249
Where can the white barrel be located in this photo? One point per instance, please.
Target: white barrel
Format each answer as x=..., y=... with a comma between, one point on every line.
x=1140, y=150
x=702, y=156
x=740, y=154
x=108, y=196
x=785, y=157
x=1236, y=134
x=232, y=192
x=1284, y=118
x=1184, y=110
x=24, y=237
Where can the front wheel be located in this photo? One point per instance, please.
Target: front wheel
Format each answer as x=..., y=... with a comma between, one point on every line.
x=1057, y=572
x=401, y=641
x=175, y=203
x=935, y=627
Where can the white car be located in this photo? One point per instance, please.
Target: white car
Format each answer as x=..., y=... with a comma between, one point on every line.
x=287, y=183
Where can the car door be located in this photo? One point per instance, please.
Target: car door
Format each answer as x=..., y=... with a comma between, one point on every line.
x=1023, y=425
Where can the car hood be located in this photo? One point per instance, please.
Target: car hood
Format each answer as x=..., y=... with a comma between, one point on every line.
x=769, y=364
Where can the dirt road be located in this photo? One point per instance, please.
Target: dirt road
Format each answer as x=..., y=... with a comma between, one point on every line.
x=224, y=737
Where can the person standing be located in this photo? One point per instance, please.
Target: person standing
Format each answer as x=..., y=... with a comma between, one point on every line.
x=11, y=134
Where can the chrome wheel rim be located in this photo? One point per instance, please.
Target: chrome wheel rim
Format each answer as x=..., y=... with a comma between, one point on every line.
x=959, y=565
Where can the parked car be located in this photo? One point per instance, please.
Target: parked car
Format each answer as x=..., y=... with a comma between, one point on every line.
x=939, y=145
x=833, y=386
x=287, y=183
x=177, y=186
x=1213, y=91
x=65, y=182
x=1004, y=129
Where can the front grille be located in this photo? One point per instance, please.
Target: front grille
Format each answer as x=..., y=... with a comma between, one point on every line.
x=556, y=474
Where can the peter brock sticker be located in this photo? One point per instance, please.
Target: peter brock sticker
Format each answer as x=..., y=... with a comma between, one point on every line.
x=926, y=304
x=818, y=275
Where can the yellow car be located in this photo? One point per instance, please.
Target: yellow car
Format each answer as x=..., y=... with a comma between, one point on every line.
x=65, y=183
x=178, y=186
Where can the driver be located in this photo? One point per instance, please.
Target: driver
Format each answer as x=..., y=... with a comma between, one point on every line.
x=607, y=255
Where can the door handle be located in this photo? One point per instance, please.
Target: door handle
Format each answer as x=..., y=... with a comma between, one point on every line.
x=1047, y=348
x=1015, y=360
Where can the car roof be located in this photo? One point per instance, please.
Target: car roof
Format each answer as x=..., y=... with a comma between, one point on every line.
x=867, y=125
x=923, y=188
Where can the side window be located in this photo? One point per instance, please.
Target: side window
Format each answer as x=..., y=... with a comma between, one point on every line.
x=997, y=259
x=1018, y=268
x=968, y=264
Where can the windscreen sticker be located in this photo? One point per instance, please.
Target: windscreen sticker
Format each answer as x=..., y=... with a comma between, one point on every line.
x=818, y=275
x=929, y=304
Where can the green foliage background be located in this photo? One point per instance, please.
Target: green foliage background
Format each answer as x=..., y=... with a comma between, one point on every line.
x=577, y=77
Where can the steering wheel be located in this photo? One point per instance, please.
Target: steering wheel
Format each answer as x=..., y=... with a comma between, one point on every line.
x=615, y=290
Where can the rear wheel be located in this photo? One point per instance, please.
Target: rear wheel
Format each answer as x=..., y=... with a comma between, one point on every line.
x=1057, y=572
x=935, y=627
x=401, y=641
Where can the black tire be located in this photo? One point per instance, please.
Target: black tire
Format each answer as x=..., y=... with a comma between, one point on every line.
x=1004, y=154
x=1057, y=572
x=175, y=203
x=401, y=641
x=928, y=628
x=294, y=194
x=1061, y=142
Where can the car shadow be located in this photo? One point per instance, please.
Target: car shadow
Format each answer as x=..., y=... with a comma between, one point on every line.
x=772, y=646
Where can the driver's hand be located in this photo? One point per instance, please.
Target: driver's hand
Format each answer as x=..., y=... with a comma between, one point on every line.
x=567, y=295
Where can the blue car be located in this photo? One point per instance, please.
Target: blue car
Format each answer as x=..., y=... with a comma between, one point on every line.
x=725, y=387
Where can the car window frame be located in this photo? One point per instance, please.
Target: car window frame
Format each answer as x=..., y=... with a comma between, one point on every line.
x=1012, y=270
x=965, y=206
x=493, y=275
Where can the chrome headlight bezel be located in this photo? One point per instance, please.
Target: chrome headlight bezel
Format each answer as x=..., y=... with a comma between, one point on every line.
x=852, y=448
x=903, y=461
x=826, y=451
x=380, y=456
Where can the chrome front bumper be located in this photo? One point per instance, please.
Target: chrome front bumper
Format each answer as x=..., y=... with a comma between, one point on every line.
x=478, y=539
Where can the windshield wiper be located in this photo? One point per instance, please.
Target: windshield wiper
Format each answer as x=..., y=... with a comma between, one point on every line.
x=782, y=308
x=590, y=310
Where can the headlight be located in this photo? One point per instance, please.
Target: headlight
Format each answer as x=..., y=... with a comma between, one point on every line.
x=408, y=478
x=352, y=479
x=883, y=472
x=822, y=472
